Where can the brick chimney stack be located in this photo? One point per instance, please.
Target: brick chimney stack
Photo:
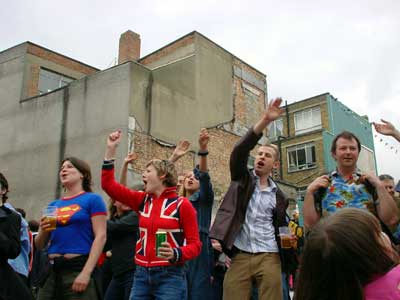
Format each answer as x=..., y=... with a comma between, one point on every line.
x=129, y=47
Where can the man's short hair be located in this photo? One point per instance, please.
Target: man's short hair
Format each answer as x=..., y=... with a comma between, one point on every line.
x=21, y=211
x=4, y=186
x=275, y=148
x=33, y=225
x=385, y=177
x=347, y=135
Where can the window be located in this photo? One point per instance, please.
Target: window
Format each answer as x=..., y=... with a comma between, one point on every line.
x=307, y=120
x=275, y=129
x=366, y=160
x=49, y=81
x=250, y=162
x=301, y=157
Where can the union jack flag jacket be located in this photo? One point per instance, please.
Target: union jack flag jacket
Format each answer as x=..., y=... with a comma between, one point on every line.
x=169, y=213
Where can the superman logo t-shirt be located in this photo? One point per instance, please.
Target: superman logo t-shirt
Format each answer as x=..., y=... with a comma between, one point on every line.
x=74, y=233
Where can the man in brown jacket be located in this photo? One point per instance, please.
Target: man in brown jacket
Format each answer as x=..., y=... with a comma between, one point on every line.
x=249, y=217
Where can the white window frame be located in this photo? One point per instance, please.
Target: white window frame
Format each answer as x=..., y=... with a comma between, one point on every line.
x=312, y=116
x=366, y=160
x=273, y=133
x=307, y=147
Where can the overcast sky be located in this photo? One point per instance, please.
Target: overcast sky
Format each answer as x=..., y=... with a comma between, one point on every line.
x=350, y=49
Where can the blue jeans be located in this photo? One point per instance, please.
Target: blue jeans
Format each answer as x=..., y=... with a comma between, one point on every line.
x=199, y=273
x=120, y=286
x=159, y=283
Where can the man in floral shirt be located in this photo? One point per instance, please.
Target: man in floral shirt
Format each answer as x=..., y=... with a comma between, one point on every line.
x=347, y=186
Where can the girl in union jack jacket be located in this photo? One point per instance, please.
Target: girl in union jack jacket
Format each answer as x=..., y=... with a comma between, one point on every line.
x=160, y=276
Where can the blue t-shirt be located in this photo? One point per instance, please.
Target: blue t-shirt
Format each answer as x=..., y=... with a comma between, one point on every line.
x=74, y=233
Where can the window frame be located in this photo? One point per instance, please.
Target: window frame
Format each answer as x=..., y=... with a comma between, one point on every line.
x=309, y=163
x=63, y=80
x=274, y=130
x=302, y=114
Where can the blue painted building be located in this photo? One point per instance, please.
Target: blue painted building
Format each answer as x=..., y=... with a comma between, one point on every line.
x=343, y=118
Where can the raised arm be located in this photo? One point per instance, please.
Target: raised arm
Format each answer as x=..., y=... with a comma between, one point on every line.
x=206, y=190
x=130, y=158
x=241, y=151
x=204, y=138
x=387, y=128
x=272, y=113
x=180, y=150
x=114, y=189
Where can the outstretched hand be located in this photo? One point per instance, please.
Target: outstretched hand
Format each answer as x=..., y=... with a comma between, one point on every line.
x=204, y=138
x=114, y=139
x=273, y=111
x=131, y=157
x=180, y=150
x=385, y=128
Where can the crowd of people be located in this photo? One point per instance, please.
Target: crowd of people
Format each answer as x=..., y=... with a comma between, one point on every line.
x=157, y=240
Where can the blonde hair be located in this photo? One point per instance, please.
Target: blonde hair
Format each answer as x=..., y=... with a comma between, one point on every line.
x=273, y=147
x=165, y=168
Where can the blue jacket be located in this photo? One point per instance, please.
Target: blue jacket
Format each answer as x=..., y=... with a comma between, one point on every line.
x=20, y=264
x=203, y=200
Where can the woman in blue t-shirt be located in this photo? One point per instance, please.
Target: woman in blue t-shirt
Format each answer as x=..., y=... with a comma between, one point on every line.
x=77, y=242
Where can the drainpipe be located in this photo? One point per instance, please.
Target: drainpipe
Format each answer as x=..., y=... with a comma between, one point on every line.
x=287, y=119
x=280, y=156
x=149, y=102
x=63, y=137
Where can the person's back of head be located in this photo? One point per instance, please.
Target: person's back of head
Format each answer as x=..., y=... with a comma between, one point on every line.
x=33, y=225
x=21, y=212
x=3, y=188
x=342, y=254
x=388, y=182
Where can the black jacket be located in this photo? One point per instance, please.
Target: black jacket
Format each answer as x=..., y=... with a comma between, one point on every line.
x=11, y=286
x=122, y=234
x=10, y=225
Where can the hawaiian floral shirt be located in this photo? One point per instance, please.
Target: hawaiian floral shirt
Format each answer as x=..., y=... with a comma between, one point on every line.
x=343, y=193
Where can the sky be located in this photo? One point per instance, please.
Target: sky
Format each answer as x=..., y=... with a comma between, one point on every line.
x=350, y=49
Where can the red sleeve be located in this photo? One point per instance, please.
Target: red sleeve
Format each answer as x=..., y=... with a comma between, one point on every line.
x=191, y=231
x=120, y=192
